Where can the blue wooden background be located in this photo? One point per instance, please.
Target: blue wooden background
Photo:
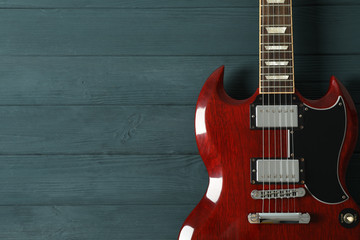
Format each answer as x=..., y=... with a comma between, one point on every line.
x=97, y=102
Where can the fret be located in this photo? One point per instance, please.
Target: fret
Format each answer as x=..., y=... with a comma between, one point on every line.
x=278, y=25
x=275, y=10
x=279, y=43
x=271, y=51
x=276, y=15
x=276, y=38
x=266, y=74
x=283, y=34
x=276, y=84
x=277, y=90
x=272, y=5
x=263, y=2
x=277, y=55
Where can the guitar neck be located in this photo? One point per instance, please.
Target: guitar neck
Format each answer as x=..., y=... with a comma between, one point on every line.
x=276, y=47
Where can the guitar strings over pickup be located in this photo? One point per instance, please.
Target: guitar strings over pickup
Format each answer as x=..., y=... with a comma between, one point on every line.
x=278, y=112
x=277, y=171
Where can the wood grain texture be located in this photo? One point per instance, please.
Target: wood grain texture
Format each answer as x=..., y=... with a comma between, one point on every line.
x=102, y=180
x=194, y=31
x=153, y=4
x=97, y=130
x=91, y=222
x=153, y=80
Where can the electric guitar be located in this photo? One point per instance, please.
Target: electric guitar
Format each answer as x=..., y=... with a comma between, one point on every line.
x=276, y=161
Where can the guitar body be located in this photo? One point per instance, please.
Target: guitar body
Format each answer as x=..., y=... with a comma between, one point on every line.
x=227, y=144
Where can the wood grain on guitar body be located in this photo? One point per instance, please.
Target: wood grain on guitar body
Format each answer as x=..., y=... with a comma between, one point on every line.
x=276, y=161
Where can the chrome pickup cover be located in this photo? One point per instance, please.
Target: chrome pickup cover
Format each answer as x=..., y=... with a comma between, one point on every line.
x=278, y=193
x=275, y=116
x=277, y=170
x=277, y=218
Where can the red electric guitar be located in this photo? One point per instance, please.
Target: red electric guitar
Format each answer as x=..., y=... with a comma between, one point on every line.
x=276, y=161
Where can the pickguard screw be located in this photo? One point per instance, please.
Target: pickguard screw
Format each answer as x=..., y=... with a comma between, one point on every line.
x=306, y=109
x=301, y=170
x=302, y=182
x=302, y=159
x=253, y=160
x=253, y=181
x=300, y=116
x=253, y=116
x=253, y=170
x=292, y=132
x=340, y=104
x=343, y=197
x=292, y=155
x=294, y=98
x=301, y=127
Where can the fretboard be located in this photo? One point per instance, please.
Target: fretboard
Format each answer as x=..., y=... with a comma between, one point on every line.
x=276, y=47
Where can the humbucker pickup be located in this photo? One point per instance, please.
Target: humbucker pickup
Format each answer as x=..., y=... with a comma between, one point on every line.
x=277, y=171
x=277, y=112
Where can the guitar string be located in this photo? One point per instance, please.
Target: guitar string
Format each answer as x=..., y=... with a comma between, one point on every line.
x=269, y=132
x=263, y=103
x=280, y=124
x=274, y=94
x=292, y=129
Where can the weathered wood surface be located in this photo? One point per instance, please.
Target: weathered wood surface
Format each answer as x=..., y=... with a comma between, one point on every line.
x=190, y=31
x=96, y=180
x=97, y=130
x=154, y=4
x=111, y=180
x=153, y=80
x=94, y=222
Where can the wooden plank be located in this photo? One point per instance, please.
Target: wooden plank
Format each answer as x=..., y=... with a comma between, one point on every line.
x=154, y=80
x=196, y=31
x=154, y=4
x=111, y=180
x=97, y=130
x=95, y=180
x=134, y=222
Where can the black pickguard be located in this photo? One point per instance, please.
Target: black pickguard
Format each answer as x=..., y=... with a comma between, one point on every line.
x=320, y=143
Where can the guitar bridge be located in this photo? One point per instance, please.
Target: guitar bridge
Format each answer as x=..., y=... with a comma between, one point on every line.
x=279, y=218
x=278, y=193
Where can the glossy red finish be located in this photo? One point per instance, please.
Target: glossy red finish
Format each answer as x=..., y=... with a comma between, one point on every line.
x=226, y=145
